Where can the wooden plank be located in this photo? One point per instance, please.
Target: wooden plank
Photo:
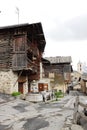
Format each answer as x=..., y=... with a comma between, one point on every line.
x=75, y=110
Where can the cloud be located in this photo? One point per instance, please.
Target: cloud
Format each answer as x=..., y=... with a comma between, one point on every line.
x=74, y=29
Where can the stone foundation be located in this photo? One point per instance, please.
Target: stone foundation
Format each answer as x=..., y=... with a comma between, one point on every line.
x=8, y=82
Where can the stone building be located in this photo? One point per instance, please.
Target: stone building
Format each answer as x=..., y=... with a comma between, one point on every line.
x=76, y=75
x=21, y=49
x=58, y=69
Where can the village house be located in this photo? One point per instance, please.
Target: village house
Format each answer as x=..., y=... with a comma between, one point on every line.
x=76, y=75
x=83, y=83
x=21, y=49
x=58, y=70
x=76, y=78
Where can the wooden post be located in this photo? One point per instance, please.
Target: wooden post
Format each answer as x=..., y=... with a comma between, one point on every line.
x=75, y=110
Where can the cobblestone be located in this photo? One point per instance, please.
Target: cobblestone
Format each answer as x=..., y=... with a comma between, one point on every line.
x=56, y=115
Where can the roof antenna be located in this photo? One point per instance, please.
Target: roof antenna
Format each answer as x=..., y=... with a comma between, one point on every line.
x=17, y=12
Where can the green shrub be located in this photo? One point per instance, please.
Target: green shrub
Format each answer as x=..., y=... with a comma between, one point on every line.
x=16, y=93
x=59, y=94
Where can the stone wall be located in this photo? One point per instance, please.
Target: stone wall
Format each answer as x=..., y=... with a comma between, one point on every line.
x=25, y=86
x=8, y=82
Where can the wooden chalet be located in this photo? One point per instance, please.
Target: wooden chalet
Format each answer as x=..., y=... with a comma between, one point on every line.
x=58, y=69
x=21, y=49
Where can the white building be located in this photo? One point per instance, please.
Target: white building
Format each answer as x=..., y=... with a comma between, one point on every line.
x=79, y=67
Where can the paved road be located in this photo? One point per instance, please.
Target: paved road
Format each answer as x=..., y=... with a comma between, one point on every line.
x=23, y=115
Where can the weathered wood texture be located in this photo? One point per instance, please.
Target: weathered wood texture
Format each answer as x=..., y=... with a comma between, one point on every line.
x=21, y=47
x=58, y=69
x=59, y=59
x=5, y=49
x=58, y=66
x=75, y=110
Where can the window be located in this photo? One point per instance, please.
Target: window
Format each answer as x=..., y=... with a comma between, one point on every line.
x=19, y=60
x=20, y=57
x=19, y=43
x=51, y=75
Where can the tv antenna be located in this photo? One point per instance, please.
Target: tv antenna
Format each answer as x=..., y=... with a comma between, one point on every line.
x=17, y=12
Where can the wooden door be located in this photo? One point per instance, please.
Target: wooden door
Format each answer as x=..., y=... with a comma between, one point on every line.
x=40, y=87
x=29, y=87
x=45, y=86
x=20, y=87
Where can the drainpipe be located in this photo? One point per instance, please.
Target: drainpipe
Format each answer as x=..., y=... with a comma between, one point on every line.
x=41, y=70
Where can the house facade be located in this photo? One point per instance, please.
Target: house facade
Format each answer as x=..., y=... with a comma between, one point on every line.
x=83, y=83
x=21, y=49
x=58, y=69
x=76, y=75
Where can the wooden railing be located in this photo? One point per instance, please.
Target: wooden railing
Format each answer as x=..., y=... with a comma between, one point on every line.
x=79, y=114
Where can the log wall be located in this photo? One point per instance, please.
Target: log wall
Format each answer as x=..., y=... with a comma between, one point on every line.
x=5, y=49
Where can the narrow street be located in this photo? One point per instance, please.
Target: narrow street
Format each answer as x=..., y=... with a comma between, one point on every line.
x=23, y=115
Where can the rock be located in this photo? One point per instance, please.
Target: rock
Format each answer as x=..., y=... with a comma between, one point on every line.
x=23, y=96
x=76, y=127
x=83, y=123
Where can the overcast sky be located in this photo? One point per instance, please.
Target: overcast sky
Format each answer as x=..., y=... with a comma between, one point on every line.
x=64, y=24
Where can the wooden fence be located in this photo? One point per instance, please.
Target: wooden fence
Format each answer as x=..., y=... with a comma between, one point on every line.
x=78, y=114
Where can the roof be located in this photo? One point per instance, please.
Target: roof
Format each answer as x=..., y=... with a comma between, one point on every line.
x=45, y=61
x=13, y=26
x=34, y=28
x=59, y=59
x=74, y=71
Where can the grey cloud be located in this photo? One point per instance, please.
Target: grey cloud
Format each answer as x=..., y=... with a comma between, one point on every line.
x=75, y=29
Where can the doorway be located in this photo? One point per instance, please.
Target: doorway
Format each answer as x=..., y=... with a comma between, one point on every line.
x=20, y=87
